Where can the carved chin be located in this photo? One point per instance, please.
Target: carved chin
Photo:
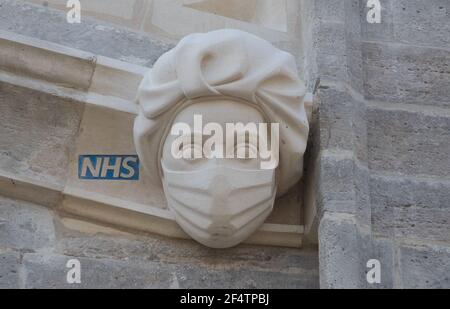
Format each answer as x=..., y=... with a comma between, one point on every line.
x=221, y=234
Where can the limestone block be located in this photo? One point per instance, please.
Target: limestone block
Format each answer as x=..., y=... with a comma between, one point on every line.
x=331, y=38
x=274, y=20
x=383, y=250
x=30, y=190
x=411, y=142
x=339, y=252
x=336, y=191
x=410, y=208
x=25, y=226
x=91, y=35
x=116, y=79
x=399, y=73
x=197, y=266
x=177, y=20
x=106, y=131
x=126, y=13
x=425, y=266
x=336, y=121
x=37, y=60
x=332, y=11
x=271, y=14
x=9, y=269
x=421, y=23
x=329, y=66
x=50, y=271
x=190, y=277
x=176, y=251
x=383, y=31
x=37, y=131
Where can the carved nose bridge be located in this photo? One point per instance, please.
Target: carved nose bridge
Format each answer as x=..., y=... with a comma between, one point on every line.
x=220, y=188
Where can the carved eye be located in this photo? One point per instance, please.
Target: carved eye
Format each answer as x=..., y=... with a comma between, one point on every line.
x=246, y=151
x=191, y=152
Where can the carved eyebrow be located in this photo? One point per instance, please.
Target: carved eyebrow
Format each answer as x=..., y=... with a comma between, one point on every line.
x=191, y=136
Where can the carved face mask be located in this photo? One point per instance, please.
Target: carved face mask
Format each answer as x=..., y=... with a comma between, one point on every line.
x=220, y=206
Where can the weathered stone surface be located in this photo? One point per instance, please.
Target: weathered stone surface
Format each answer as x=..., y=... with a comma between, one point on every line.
x=342, y=122
x=355, y=63
x=362, y=194
x=383, y=250
x=425, y=267
x=330, y=10
x=406, y=57
x=179, y=251
x=403, y=60
x=337, y=37
x=336, y=120
x=337, y=188
x=412, y=22
x=343, y=186
x=353, y=32
x=50, y=271
x=328, y=67
x=425, y=23
x=37, y=133
x=346, y=250
x=91, y=35
x=406, y=74
x=193, y=277
x=25, y=226
x=409, y=208
x=410, y=143
x=139, y=262
x=332, y=38
x=378, y=32
x=340, y=264
x=9, y=270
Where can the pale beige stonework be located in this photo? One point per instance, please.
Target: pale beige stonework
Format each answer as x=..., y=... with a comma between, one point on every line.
x=273, y=20
x=106, y=87
x=129, y=13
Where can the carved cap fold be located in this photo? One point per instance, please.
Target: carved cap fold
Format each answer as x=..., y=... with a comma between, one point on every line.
x=225, y=63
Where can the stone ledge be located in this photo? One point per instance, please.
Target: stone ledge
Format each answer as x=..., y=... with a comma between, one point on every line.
x=68, y=72
x=127, y=215
x=29, y=190
x=45, y=61
x=92, y=35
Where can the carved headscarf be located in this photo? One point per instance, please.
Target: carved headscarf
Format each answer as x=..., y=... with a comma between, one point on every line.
x=227, y=63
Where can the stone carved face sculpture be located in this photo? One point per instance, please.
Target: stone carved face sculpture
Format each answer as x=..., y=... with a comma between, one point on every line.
x=219, y=201
x=226, y=77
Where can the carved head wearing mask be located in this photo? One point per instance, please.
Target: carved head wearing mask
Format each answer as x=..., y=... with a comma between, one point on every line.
x=226, y=77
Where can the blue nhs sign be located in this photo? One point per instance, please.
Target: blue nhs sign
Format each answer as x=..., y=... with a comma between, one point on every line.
x=108, y=167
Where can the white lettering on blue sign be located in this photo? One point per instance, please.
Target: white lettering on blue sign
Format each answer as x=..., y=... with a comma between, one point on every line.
x=108, y=167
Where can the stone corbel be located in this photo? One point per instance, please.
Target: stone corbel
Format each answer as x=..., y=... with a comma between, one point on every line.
x=107, y=89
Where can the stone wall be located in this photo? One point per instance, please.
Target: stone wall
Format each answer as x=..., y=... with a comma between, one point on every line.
x=377, y=159
x=381, y=142
x=35, y=246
